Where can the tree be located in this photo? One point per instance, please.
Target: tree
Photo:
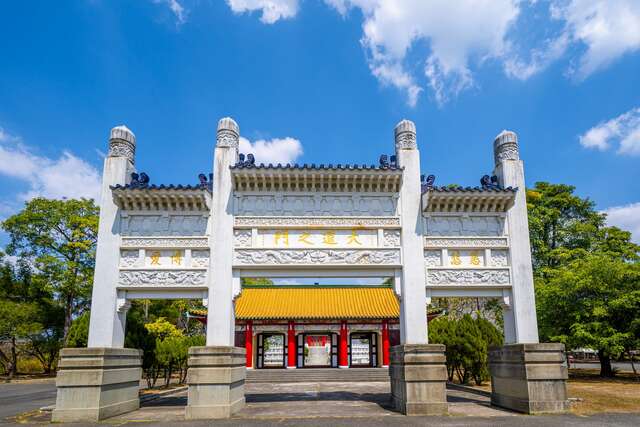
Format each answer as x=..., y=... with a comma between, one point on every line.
x=593, y=302
x=559, y=220
x=59, y=238
x=16, y=321
x=584, y=274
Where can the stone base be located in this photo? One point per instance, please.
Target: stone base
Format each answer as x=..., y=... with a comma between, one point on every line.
x=529, y=378
x=418, y=379
x=97, y=383
x=216, y=379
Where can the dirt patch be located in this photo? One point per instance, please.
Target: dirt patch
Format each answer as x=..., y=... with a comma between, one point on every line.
x=596, y=394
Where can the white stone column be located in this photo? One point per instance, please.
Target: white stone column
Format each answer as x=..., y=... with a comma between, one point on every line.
x=520, y=319
x=107, y=323
x=413, y=308
x=220, y=320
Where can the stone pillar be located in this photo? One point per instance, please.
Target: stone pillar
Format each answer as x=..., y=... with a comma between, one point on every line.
x=529, y=378
x=521, y=325
x=418, y=379
x=221, y=318
x=108, y=318
x=97, y=383
x=413, y=299
x=216, y=379
x=248, y=343
x=291, y=346
x=343, y=349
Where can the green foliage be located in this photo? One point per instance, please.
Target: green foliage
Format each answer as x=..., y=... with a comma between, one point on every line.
x=162, y=329
x=467, y=341
x=255, y=281
x=591, y=302
x=58, y=237
x=79, y=332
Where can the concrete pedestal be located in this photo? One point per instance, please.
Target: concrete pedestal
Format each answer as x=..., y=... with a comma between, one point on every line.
x=529, y=378
x=216, y=379
x=97, y=383
x=418, y=379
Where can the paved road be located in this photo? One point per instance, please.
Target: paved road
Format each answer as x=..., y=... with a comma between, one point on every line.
x=16, y=398
x=620, y=366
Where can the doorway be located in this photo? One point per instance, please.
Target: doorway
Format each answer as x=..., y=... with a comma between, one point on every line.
x=271, y=351
x=364, y=349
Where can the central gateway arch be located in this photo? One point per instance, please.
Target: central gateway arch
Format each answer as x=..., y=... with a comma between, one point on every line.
x=256, y=220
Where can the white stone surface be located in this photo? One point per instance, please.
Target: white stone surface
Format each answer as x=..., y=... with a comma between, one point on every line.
x=221, y=318
x=520, y=319
x=107, y=325
x=413, y=313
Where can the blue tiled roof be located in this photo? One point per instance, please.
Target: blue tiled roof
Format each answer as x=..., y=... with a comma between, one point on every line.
x=313, y=166
x=461, y=189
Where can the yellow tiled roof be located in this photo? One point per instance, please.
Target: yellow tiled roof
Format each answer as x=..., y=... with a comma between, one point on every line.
x=279, y=302
x=317, y=303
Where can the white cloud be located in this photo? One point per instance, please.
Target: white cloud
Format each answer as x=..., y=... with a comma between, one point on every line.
x=448, y=40
x=623, y=130
x=272, y=10
x=68, y=176
x=178, y=10
x=277, y=150
x=626, y=217
x=456, y=32
x=608, y=28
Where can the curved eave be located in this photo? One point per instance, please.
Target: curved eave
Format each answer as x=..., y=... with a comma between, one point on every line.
x=167, y=198
x=316, y=179
x=468, y=200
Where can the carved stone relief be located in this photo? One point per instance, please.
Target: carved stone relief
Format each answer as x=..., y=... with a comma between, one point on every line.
x=200, y=258
x=406, y=141
x=391, y=238
x=316, y=256
x=499, y=258
x=163, y=278
x=467, y=277
x=261, y=221
x=442, y=242
x=465, y=226
x=144, y=242
x=433, y=258
x=242, y=238
x=309, y=204
x=163, y=225
x=129, y=259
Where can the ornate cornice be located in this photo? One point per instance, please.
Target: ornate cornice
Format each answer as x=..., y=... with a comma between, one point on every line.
x=261, y=257
x=165, y=242
x=162, y=278
x=318, y=222
x=465, y=242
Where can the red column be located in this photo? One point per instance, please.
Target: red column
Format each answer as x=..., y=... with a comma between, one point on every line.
x=385, y=343
x=291, y=353
x=248, y=343
x=343, y=359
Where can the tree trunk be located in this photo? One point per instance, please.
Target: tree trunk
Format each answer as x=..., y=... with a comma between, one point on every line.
x=605, y=365
x=14, y=359
x=68, y=314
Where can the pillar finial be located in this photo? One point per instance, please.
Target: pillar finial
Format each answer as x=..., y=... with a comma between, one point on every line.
x=228, y=134
x=505, y=146
x=122, y=143
x=405, y=135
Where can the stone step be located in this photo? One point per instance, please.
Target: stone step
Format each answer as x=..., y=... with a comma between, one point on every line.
x=318, y=375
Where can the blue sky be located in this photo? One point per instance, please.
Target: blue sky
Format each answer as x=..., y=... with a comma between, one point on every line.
x=316, y=81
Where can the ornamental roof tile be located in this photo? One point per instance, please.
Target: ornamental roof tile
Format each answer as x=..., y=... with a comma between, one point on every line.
x=461, y=189
x=313, y=302
x=313, y=166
